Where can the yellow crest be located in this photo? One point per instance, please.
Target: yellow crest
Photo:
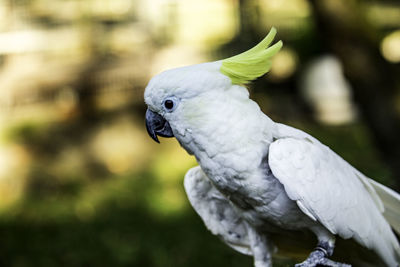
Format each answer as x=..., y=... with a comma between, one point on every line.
x=253, y=63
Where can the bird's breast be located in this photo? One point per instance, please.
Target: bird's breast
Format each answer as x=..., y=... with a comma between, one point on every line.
x=258, y=196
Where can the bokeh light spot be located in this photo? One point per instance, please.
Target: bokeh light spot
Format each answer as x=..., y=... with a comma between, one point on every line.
x=390, y=47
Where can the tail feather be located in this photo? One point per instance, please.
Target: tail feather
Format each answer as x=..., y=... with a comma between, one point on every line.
x=391, y=201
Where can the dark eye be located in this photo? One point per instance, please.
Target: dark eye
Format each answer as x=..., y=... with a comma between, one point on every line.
x=169, y=104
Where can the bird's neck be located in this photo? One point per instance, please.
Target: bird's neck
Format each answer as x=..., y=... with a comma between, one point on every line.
x=230, y=133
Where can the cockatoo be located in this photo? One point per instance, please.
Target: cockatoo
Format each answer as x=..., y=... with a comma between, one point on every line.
x=265, y=187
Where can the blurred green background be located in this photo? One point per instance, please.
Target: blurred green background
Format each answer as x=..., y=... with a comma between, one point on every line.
x=81, y=183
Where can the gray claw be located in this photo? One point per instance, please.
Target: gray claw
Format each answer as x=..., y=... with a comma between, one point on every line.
x=318, y=258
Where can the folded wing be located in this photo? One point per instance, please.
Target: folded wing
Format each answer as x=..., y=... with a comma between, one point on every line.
x=216, y=211
x=331, y=191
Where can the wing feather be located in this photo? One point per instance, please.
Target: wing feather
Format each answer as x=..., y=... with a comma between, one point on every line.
x=216, y=211
x=391, y=200
x=330, y=190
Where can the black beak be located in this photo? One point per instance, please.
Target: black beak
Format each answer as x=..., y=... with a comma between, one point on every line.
x=157, y=125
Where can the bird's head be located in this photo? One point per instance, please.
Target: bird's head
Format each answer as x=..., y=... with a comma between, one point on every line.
x=177, y=97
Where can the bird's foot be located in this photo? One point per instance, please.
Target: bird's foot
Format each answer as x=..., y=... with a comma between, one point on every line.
x=319, y=258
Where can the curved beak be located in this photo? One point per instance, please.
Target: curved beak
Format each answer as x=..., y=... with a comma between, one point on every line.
x=157, y=125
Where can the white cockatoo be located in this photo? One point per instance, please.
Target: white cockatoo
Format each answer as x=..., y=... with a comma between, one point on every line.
x=264, y=187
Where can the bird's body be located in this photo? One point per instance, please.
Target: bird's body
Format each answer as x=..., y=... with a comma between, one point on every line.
x=237, y=164
x=241, y=171
x=262, y=184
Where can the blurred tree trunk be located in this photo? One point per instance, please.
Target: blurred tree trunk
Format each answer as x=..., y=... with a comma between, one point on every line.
x=346, y=33
x=249, y=17
x=247, y=35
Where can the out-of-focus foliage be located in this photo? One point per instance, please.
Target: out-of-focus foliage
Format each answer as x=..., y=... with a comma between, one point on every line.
x=81, y=183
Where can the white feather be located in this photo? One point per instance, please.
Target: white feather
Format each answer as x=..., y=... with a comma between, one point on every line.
x=216, y=211
x=391, y=202
x=332, y=191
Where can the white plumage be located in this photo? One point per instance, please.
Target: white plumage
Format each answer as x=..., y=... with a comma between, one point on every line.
x=262, y=184
x=333, y=193
x=219, y=216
